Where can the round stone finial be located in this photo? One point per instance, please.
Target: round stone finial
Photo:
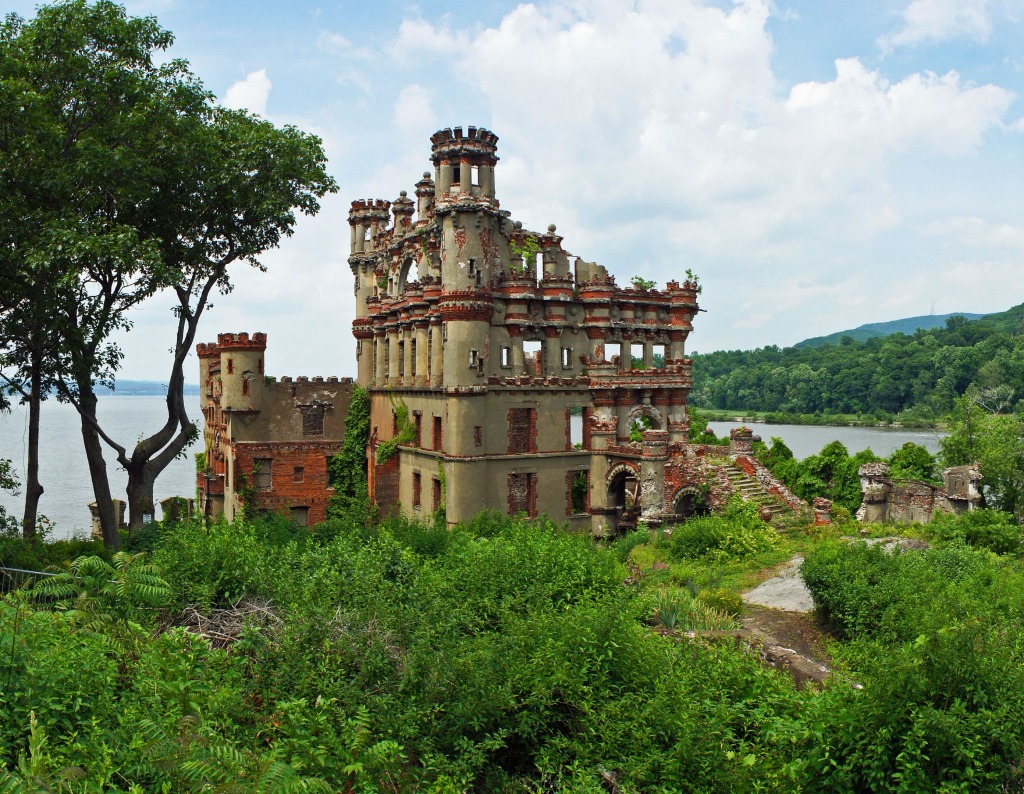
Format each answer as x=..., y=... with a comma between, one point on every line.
x=402, y=194
x=551, y=228
x=517, y=225
x=426, y=175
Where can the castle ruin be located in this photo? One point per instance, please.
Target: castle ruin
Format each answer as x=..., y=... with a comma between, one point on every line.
x=479, y=341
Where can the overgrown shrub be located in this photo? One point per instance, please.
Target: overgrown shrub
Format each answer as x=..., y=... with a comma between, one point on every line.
x=987, y=529
x=737, y=533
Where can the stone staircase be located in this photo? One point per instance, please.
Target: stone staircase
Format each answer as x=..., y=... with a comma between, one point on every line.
x=752, y=491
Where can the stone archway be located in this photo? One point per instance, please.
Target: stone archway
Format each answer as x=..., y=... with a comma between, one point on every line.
x=688, y=502
x=657, y=417
x=623, y=482
x=409, y=267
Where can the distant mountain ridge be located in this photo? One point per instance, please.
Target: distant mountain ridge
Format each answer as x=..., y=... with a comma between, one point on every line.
x=907, y=326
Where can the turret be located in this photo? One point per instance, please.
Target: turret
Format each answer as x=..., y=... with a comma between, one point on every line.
x=368, y=219
x=241, y=371
x=464, y=163
x=209, y=366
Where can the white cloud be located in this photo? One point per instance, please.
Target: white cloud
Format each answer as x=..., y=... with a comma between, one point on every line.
x=413, y=111
x=926, y=21
x=250, y=93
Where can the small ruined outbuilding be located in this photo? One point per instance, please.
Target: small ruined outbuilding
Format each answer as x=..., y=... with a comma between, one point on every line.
x=267, y=440
x=905, y=501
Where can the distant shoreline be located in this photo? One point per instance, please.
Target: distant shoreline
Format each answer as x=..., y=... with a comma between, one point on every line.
x=143, y=388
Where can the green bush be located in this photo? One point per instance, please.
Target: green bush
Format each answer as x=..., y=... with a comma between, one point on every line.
x=986, y=529
x=737, y=534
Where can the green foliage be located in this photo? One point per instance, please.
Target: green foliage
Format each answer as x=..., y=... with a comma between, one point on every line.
x=699, y=432
x=94, y=590
x=912, y=462
x=832, y=473
x=736, y=534
x=347, y=470
x=527, y=249
x=643, y=284
x=996, y=441
x=986, y=529
x=638, y=426
x=878, y=379
x=406, y=431
x=935, y=638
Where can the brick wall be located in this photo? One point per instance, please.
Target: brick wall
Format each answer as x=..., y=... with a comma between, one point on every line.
x=287, y=489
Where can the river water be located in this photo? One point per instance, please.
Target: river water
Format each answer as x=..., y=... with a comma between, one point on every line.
x=805, y=440
x=65, y=475
x=63, y=470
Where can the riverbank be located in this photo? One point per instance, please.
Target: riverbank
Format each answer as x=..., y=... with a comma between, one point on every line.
x=820, y=420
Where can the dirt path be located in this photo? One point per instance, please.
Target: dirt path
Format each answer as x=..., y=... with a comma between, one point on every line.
x=778, y=617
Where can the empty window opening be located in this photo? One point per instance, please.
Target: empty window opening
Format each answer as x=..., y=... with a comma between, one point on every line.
x=613, y=352
x=566, y=358
x=300, y=516
x=410, y=273
x=438, y=437
x=231, y=365
x=579, y=492
x=435, y=488
x=636, y=355
x=387, y=357
x=533, y=356
x=456, y=174
x=401, y=359
x=261, y=474
x=412, y=358
x=298, y=474
x=506, y=357
x=658, y=356
x=416, y=487
x=638, y=426
x=474, y=175
x=522, y=494
x=478, y=436
x=576, y=429
x=417, y=418
x=473, y=357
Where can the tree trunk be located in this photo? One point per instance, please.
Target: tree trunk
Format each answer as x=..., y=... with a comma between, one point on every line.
x=98, y=468
x=33, y=488
x=140, y=494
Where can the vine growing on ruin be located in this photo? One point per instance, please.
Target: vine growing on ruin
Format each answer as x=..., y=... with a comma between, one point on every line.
x=405, y=435
x=347, y=469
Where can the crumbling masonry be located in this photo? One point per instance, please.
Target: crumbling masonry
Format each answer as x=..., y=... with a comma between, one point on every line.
x=479, y=341
x=267, y=441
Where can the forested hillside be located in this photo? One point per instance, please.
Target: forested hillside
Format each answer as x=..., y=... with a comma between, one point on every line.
x=908, y=325
x=922, y=373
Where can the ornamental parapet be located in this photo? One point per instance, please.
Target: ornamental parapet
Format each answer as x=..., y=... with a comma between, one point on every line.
x=242, y=341
x=472, y=304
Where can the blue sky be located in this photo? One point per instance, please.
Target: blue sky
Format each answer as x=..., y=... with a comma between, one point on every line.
x=819, y=164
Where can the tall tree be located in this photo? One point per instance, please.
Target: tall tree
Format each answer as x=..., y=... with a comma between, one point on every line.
x=134, y=181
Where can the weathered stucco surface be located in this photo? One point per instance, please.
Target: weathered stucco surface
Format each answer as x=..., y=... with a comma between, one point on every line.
x=493, y=335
